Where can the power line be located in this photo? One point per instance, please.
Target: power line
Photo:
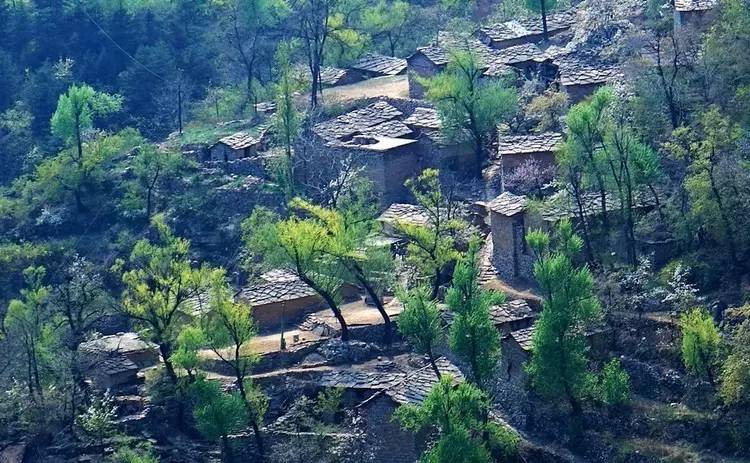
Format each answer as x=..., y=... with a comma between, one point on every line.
x=125, y=52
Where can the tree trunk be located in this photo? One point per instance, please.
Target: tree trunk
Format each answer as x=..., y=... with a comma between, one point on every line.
x=545, y=33
x=250, y=411
x=166, y=351
x=387, y=337
x=433, y=364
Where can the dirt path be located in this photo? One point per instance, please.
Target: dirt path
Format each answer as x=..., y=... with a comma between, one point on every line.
x=391, y=86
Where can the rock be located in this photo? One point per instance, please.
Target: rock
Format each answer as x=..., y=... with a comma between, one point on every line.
x=13, y=454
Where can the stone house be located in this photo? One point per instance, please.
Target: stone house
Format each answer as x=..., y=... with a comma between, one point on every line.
x=696, y=14
x=581, y=75
x=280, y=298
x=240, y=145
x=524, y=31
x=426, y=62
x=405, y=213
x=512, y=316
x=375, y=65
x=378, y=394
x=113, y=361
x=387, y=146
x=517, y=347
x=456, y=157
x=512, y=257
x=333, y=77
x=514, y=150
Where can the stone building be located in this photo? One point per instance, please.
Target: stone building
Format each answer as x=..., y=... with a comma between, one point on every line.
x=512, y=257
x=514, y=150
x=281, y=298
x=512, y=316
x=426, y=62
x=403, y=213
x=284, y=301
x=376, y=65
x=388, y=145
x=524, y=31
x=333, y=77
x=233, y=147
x=114, y=361
x=696, y=14
x=581, y=75
x=378, y=394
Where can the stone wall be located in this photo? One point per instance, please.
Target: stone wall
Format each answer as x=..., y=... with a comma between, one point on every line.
x=419, y=66
x=511, y=256
x=253, y=165
x=385, y=441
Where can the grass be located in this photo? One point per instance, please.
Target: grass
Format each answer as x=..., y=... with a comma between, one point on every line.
x=200, y=132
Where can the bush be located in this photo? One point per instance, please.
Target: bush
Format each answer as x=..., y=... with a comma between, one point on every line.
x=614, y=384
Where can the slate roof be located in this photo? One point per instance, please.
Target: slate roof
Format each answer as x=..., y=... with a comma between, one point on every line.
x=523, y=337
x=239, y=141
x=525, y=144
x=424, y=117
x=435, y=54
x=561, y=204
x=507, y=204
x=511, y=311
x=278, y=276
x=498, y=70
x=123, y=343
x=405, y=213
x=584, y=70
x=272, y=293
x=520, y=54
x=331, y=76
x=359, y=121
x=116, y=365
x=380, y=64
x=418, y=384
x=519, y=28
x=695, y=5
x=350, y=379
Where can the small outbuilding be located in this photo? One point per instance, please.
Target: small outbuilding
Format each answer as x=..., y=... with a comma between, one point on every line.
x=697, y=14
x=233, y=147
x=375, y=65
x=582, y=75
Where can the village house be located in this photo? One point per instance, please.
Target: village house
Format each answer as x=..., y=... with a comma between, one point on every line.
x=517, y=347
x=377, y=394
x=510, y=316
x=512, y=257
x=581, y=75
x=389, y=147
x=426, y=62
x=696, y=14
x=375, y=65
x=333, y=77
x=455, y=157
x=410, y=214
x=514, y=150
x=233, y=147
x=281, y=298
x=115, y=360
x=524, y=31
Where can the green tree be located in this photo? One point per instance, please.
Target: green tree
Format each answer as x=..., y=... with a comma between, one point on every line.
x=287, y=117
x=460, y=413
x=28, y=321
x=161, y=286
x=468, y=105
x=228, y=328
x=150, y=167
x=98, y=421
x=245, y=25
x=420, y=324
x=388, y=19
x=74, y=116
x=543, y=7
x=350, y=244
x=432, y=246
x=300, y=247
x=700, y=342
x=78, y=303
x=218, y=414
x=613, y=386
x=473, y=336
x=735, y=373
x=559, y=363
